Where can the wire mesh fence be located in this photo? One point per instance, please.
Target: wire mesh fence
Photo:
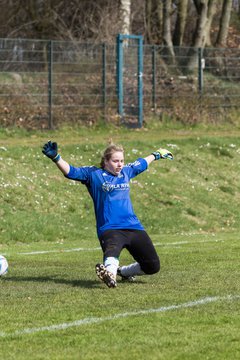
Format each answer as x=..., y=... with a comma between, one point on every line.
x=47, y=83
x=194, y=85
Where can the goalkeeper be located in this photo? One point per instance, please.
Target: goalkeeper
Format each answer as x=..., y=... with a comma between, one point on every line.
x=117, y=225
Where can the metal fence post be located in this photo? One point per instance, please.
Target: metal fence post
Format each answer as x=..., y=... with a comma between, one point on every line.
x=154, y=77
x=200, y=70
x=120, y=75
x=104, y=77
x=50, y=64
x=140, y=81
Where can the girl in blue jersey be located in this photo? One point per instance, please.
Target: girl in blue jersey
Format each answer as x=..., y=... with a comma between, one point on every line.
x=117, y=225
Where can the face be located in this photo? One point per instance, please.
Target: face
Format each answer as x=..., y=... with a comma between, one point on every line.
x=115, y=164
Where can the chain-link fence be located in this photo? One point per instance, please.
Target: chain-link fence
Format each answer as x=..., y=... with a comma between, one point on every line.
x=47, y=83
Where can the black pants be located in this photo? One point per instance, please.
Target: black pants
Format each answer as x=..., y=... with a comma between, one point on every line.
x=137, y=242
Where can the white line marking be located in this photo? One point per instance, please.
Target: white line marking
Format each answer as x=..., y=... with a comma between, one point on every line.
x=40, y=252
x=92, y=320
x=58, y=251
x=187, y=242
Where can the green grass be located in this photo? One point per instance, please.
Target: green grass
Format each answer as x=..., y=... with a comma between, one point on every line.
x=190, y=208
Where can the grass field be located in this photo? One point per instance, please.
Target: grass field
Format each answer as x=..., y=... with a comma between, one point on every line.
x=53, y=306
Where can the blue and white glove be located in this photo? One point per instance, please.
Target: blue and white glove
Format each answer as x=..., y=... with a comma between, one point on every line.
x=51, y=151
x=162, y=154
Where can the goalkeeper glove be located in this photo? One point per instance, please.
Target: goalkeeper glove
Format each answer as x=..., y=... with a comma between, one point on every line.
x=51, y=150
x=162, y=154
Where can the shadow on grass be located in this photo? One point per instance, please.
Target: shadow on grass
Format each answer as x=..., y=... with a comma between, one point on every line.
x=44, y=279
x=75, y=283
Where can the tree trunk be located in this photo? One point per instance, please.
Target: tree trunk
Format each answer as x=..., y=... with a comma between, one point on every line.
x=167, y=36
x=153, y=21
x=148, y=21
x=212, y=7
x=125, y=14
x=180, y=23
x=224, y=23
x=206, y=10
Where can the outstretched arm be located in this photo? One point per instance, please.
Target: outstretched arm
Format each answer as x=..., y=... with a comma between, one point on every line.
x=63, y=166
x=51, y=151
x=149, y=158
x=159, y=154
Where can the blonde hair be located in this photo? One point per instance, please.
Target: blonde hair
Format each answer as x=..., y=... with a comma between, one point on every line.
x=108, y=152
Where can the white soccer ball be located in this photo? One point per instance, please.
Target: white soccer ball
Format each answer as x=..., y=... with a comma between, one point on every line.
x=3, y=265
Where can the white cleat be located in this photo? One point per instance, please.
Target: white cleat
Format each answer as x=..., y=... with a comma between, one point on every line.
x=106, y=276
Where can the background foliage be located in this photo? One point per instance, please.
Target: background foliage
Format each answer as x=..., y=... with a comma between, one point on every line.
x=168, y=22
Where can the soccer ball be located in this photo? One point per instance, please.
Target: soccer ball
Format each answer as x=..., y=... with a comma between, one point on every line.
x=3, y=265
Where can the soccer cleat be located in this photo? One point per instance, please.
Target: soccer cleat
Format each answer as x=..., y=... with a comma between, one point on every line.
x=106, y=276
x=125, y=278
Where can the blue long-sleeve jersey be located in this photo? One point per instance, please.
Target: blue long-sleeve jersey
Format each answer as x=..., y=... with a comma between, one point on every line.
x=110, y=194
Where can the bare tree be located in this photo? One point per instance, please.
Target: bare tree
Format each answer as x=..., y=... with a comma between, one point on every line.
x=94, y=21
x=168, y=22
x=206, y=10
x=41, y=16
x=125, y=15
x=182, y=9
x=167, y=35
x=224, y=23
x=153, y=21
x=212, y=8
